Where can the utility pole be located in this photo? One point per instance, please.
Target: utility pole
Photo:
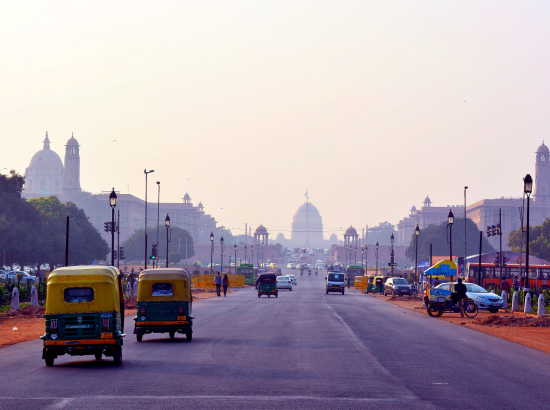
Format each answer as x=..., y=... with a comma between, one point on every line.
x=464, y=263
x=118, y=240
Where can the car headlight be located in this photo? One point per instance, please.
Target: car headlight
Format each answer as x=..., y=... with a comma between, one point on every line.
x=480, y=299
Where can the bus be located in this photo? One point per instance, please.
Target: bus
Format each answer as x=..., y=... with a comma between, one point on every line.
x=353, y=271
x=247, y=269
x=539, y=275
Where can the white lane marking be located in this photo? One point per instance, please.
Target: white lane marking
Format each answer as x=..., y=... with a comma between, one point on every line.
x=68, y=400
x=63, y=403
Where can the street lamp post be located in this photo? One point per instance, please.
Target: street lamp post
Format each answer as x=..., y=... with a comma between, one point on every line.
x=252, y=247
x=146, y=173
x=416, y=234
x=262, y=253
x=235, y=247
x=392, y=254
x=450, y=221
x=464, y=263
x=112, y=202
x=211, y=251
x=377, y=246
x=158, y=217
x=362, y=255
x=245, y=254
x=366, y=259
x=346, y=248
x=355, y=257
x=527, y=188
x=167, y=224
x=221, y=255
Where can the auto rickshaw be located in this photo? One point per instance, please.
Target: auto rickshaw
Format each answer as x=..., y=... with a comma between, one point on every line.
x=370, y=280
x=164, y=303
x=84, y=313
x=267, y=285
x=378, y=284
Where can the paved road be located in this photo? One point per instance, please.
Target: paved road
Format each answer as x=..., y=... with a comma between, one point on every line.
x=303, y=350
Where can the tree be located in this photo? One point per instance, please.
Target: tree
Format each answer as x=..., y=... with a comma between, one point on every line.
x=539, y=240
x=85, y=242
x=437, y=236
x=134, y=246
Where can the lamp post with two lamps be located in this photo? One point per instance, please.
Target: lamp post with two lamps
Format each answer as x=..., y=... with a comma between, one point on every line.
x=112, y=202
x=392, y=254
x=235, y=247
x=221, y=255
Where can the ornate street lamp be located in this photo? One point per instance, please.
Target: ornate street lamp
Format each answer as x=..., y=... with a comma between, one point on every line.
x=167, y=224
x=377, y=246
x=392, y=254
x=252, y=248
x=221, y=255
x=527, y=188
x=211, y=251
x=450, y=221
x=416, y=234
x=112, y=202
x=362, y=255
x=235, y=247
x=245, y=254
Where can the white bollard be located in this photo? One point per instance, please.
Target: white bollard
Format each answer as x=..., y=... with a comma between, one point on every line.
x=134, y=288
x=515, y=302
x=128, y=289
x=527, y=303
x=504, y=300
x=541, y=311
x=15, y=298
x=34, y=296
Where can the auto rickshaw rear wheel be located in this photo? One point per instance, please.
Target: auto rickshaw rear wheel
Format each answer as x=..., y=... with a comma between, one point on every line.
x=433, y=311
x=189, y=336
x=118, y=360
x=139, y=338
x=172, y=334
x=98, y=356
x=49, y=361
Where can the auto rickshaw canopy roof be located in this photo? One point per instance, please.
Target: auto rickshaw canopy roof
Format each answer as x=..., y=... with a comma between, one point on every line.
x=442, y=270
x=104, y=280
x=177, y=277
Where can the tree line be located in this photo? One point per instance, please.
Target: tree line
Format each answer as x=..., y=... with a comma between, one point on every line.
x=33, y=232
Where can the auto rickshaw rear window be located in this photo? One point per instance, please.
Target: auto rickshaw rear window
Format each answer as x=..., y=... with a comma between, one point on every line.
x=162, y=289
x=79, y=295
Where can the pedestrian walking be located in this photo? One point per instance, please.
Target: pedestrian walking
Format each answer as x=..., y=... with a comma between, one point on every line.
x=218, y=283
x=349, y=282
x=225, y=284
x=505, y=285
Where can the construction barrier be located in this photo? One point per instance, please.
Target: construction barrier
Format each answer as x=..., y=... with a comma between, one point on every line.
x=206, y=282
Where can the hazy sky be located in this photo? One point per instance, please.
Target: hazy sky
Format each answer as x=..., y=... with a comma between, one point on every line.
x=246, y=105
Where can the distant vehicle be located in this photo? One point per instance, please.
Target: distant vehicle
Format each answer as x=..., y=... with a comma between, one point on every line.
x=283, y=282
x=397, y=287
x=246, y=269
x=273, y=265
x=312, y=253
x=24, y=276
x=293, y=279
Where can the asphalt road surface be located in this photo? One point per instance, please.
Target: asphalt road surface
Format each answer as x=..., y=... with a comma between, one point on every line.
x=302, y=350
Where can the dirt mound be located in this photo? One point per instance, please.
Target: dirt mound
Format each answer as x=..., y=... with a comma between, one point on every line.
x=33, y=311
x=130, y=303
x=517, y=321
x=12, y=312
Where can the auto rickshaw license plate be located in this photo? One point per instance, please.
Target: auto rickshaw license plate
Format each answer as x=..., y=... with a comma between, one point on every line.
x=106, y=335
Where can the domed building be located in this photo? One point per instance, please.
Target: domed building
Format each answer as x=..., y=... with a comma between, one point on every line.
x=307, y=226
x=44, y=175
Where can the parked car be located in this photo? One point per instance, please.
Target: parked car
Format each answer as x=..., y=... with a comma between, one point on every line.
x=24, y=276
x=292, y=279
x=397, y=287
x=283, y=282
x=482, y=297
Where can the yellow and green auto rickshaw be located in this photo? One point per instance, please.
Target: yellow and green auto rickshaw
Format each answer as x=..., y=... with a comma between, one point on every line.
x=84, y=313
x=267, y=284
x=378, y=284
x=370, y=280
x=164, y=303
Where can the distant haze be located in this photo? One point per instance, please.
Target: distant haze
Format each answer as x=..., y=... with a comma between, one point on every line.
x=246, y=105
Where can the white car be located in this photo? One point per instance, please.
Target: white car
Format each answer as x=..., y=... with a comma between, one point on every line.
x=293, y=279
x=283, y=282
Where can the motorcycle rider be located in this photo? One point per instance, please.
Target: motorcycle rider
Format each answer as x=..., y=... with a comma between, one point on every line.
x=309, y=271
x=316, y=271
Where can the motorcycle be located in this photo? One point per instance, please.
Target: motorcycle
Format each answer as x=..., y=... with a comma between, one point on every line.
x=316, y=272
x=301, y=273
x=309, y=272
